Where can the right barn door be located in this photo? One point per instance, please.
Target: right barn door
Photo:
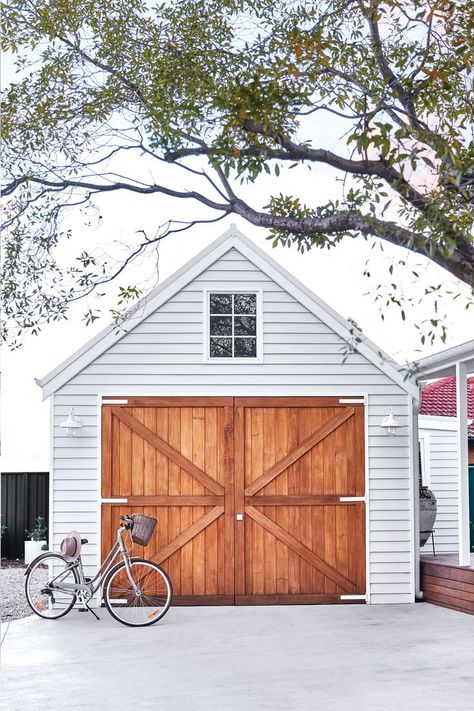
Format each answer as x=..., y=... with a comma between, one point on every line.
x=299, y=500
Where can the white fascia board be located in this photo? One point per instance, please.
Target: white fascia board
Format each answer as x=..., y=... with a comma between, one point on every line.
x=443, y=363
x=437, y=422
x=324, y=312
x=156, y=298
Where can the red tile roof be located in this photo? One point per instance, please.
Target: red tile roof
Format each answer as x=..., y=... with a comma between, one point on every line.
x=439, y=398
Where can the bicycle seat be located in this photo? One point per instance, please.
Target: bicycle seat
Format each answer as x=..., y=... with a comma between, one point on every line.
x=84, y=541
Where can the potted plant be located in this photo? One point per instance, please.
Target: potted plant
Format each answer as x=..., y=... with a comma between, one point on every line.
x=36, y=540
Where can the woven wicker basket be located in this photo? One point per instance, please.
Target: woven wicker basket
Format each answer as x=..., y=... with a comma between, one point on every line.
x=143, y=527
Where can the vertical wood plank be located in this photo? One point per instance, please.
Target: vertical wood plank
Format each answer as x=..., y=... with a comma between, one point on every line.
x=256, y=459
x=137, y=457
x=125, y=458
x=105, y=529
x=294, y=586
x=149, y=455
x=305, y=520
x=281, y=514
x=106, y=455
x=229, y=512
x=186, y=448
x=211, y=468
x=353, y=563
x=359, y=451
x=360, y=550
x=199, y=553
x=330, y=545
x=115, y=482
x=242, y=528
x=221, y=581
x=269, y=541
x=342, y=540
x=174, y=489
x=161, y=481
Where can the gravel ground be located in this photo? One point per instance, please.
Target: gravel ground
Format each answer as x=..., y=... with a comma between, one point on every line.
x=13, y=605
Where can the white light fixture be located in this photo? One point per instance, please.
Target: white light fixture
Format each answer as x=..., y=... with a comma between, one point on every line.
x=391, y=424
x=72, y=424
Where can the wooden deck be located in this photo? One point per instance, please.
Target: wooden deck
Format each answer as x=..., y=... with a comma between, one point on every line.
x=445, y=583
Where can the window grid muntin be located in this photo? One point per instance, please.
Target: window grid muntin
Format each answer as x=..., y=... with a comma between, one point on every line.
x=232, y=315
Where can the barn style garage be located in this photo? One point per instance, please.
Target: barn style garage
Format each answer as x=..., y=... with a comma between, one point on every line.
x=241, y=411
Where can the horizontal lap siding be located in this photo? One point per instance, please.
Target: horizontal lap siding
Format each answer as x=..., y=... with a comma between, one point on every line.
x=442, y=453
x=302, y=356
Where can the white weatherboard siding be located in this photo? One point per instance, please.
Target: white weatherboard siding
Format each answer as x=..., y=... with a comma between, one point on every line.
x=163, y=355
x=440, y=436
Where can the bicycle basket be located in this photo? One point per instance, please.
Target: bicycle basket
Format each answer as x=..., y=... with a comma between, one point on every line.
x=143, y=527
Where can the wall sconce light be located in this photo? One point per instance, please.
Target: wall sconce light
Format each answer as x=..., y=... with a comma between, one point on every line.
x=391, y=424
x=72, y=424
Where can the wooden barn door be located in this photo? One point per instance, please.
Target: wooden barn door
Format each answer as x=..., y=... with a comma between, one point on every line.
x=172, y=459
x=297, y=461
x=250, y=494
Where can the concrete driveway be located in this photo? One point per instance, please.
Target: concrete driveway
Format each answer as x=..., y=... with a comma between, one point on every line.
x=327, y=658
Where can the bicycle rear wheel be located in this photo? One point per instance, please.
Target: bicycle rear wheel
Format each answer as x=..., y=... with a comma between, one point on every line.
x=145, y=605
x=44, y=573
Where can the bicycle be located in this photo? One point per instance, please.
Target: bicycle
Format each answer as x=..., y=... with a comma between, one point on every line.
x=136, y=592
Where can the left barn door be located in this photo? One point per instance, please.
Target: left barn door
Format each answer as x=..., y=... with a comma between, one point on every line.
x=173, y=459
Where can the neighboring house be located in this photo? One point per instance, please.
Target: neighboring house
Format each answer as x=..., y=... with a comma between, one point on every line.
x=439, y=450
x=234, y=407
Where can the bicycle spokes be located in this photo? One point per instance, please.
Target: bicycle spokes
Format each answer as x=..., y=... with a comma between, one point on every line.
x=142, y=603
x=42, y=594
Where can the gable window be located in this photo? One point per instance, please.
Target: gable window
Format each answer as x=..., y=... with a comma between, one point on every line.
x=233, y=325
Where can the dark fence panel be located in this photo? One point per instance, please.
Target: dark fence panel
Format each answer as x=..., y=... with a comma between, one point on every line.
x=24, y=497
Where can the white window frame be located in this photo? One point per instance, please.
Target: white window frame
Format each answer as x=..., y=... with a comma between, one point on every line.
x=425, y=450
x=206, y=329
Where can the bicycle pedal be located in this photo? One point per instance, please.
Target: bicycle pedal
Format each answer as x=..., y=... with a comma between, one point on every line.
x=82, y=609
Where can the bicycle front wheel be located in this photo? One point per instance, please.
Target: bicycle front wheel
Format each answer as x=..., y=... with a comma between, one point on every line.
x=143, y=603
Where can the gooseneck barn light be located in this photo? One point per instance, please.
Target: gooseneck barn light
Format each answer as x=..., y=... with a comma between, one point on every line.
x=72, y=424
x=390, y=423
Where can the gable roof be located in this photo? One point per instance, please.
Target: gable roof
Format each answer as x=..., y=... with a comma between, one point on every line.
x=231, y=239
x=439, y=399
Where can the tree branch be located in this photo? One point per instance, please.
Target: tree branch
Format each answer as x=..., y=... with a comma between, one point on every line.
x=60, y=185
x=460, y=263
x=386, y=71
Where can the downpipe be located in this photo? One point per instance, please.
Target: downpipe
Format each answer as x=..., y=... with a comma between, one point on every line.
x=416, y=499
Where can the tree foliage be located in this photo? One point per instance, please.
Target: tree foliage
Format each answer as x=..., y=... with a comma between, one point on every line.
x=229, y=91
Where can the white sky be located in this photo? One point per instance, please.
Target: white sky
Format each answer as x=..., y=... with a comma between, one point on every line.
x=336, y=276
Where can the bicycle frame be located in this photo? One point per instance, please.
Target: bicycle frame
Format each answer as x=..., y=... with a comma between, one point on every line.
x=91, y=586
